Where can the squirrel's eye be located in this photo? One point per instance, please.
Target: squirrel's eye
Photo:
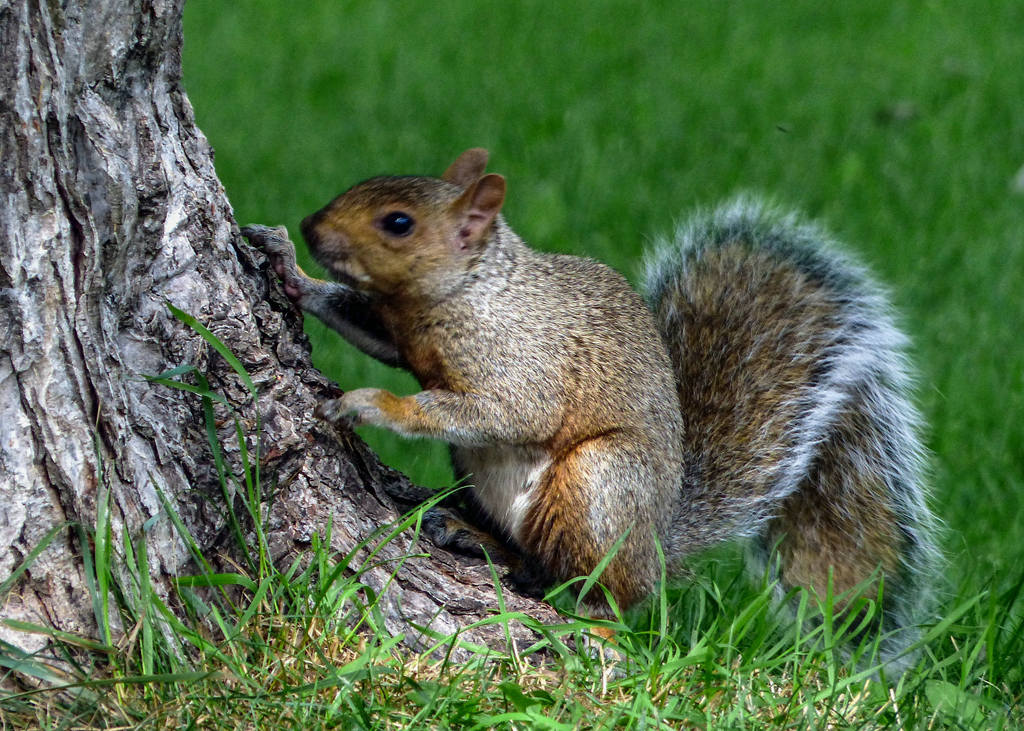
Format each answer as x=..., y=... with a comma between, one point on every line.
x=397, y=223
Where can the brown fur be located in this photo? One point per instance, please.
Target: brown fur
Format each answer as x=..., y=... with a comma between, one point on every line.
x=751, y=333
x=754, y=331
x=852, y=529
x=467, y=304
x=763, y=398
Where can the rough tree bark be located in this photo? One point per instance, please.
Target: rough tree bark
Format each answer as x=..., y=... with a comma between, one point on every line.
x=111, y=208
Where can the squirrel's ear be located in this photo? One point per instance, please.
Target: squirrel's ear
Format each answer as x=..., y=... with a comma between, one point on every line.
x=477, y=208
x=469, y=166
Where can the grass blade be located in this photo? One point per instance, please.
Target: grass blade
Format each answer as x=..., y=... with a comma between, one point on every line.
x=30, y=557
x=217, y=345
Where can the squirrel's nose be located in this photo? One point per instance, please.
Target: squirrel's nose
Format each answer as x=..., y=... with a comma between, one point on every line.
x=308, y=226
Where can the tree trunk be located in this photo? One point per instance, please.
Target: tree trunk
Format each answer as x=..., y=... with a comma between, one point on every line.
x=111, y=209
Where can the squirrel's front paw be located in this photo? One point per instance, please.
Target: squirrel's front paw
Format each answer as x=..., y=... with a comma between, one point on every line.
x=353, y=408
x=274, y=242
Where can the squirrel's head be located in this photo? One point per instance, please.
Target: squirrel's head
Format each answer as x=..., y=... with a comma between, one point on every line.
x=408, y=234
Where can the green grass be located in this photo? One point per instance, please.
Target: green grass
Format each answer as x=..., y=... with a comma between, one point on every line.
x=305, y=646
x=899, y=124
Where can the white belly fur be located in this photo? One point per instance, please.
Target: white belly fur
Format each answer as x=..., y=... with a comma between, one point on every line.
x=504, y=478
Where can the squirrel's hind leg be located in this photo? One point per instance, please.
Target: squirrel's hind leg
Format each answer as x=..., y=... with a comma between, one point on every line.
x=571, y=525
x=447, y=530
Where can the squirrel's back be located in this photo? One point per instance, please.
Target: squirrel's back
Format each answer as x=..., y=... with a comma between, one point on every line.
x=797, y=426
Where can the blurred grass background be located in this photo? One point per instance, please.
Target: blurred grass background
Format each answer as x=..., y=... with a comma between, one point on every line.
x=900, y=124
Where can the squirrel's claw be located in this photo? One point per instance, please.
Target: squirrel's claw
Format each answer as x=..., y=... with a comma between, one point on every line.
x=258, y=234
x=272, y=240
x=354, y=408
x=334, y=411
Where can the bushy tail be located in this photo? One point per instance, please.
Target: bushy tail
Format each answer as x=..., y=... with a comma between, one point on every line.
x=798, y=427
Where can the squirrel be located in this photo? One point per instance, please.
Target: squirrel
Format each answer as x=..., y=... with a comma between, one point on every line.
x=758, y=389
